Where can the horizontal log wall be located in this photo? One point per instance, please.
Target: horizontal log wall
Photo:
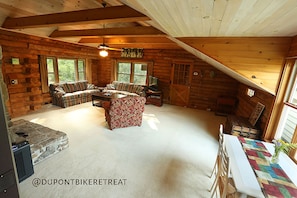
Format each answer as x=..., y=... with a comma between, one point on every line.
x=208, y=85
x=247, y=104
x=26, y=95
x=204, y=90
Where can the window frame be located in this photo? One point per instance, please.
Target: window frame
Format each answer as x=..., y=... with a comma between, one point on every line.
x=132, y=62
x=286, y=107
x=76, y=70
x=44, y=70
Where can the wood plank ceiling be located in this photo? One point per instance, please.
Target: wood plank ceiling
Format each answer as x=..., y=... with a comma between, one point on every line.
x=247, y=39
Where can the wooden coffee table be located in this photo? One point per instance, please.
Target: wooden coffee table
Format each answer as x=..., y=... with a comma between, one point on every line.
x=104, y=96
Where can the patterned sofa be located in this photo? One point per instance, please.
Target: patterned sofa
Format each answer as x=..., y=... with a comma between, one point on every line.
x=124, y=112
x=130, y=89
x=69, y=94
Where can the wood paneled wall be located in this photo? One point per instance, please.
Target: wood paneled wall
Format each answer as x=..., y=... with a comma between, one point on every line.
x=293, y=49
x=26, y=95
x=281, y=94
x=260, y=60
x=208, y=85
x=204, y=88
x=247, y=104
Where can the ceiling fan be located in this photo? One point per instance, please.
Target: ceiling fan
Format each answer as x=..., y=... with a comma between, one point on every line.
x=103, y=47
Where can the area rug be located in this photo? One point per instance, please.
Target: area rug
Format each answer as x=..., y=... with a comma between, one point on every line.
x=44, y=142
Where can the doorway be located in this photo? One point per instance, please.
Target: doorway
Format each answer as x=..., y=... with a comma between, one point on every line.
x=180, y=83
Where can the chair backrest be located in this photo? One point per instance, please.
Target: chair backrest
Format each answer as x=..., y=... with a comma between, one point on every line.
x=222, y=178
x=221, y=139
x=224, y=173
x=256, y=113
x=129, y=104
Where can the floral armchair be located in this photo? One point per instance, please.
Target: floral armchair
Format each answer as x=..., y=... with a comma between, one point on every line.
x=124, y=112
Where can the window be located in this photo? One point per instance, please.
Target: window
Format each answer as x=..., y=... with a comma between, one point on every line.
x=65, y=70
x=81, y=70
x=133, y=72
x=55, y=70
x=50, y=70
x=287, y=127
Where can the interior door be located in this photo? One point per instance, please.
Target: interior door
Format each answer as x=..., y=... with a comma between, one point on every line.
x=180, y=83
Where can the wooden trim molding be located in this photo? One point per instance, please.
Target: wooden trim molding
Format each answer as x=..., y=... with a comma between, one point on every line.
x=279, y=100
x=43, y=74
x=293, y=152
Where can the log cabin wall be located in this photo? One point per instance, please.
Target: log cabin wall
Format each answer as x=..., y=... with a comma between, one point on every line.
x=293, y=50
x=204, y=89
x=208, y=85
x=247, y=104
x=26, y=95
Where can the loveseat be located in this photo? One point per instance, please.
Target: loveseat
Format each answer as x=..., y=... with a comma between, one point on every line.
x=124, y=112
x=130, y=89
x=72, y=93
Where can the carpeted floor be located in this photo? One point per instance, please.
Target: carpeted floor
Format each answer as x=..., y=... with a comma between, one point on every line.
x=170, y=155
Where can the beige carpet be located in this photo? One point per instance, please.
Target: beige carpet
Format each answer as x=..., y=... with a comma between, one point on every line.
x=170, y=155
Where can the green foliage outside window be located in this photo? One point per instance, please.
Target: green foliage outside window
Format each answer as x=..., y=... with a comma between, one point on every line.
x=69, y=70
x=50, y=70
x=140, y=71
x=66, y=69
x=81, y=70
x=125, y=73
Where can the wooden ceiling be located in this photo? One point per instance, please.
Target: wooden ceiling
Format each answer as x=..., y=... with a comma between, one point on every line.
x=170, y=24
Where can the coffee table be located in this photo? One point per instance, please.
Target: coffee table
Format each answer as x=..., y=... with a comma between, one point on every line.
x=104, y=96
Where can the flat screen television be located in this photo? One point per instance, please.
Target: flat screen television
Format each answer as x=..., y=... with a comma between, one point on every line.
x=153, y=83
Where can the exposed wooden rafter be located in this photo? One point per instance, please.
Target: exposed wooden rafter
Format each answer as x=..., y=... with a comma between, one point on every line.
x=101, y=15
x=160, y=42
x=139, y=30
x=128, y=40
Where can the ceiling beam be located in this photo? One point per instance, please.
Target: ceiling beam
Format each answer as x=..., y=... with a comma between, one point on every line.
x=112, y=14
x=139, y=30
x=128, y=40
x=146, y=46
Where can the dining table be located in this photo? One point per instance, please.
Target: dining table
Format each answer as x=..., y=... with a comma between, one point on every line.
x=244, y=175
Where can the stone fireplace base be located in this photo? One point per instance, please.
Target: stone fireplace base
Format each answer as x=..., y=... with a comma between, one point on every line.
x=44, y=142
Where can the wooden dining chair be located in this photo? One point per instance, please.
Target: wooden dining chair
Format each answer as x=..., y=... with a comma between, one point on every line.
x=221, y=142
x=222, y=185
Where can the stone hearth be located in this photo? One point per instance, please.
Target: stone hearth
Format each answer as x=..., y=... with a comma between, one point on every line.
x=44, y=142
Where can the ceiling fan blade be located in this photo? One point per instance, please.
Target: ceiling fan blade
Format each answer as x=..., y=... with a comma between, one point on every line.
x=106, y=47
x=114, y=49
x=102, y=46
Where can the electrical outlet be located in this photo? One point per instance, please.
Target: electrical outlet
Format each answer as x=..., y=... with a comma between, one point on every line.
x=14, y=82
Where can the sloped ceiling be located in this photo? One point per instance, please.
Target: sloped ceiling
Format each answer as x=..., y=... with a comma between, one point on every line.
x=247, y=39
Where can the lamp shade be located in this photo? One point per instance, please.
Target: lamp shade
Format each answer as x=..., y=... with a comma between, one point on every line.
x=103, y=53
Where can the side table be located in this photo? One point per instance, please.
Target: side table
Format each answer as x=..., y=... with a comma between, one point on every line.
x=154, y=97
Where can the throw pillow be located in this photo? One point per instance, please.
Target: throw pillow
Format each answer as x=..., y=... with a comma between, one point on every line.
x=60, y=89
x=110, y=86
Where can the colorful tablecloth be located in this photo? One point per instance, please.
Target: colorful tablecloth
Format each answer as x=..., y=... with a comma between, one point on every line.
x=272, y=179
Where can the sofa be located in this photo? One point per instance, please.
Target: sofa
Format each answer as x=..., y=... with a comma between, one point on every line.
x=72, y=93
x=124, y=112
x=130, y=89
